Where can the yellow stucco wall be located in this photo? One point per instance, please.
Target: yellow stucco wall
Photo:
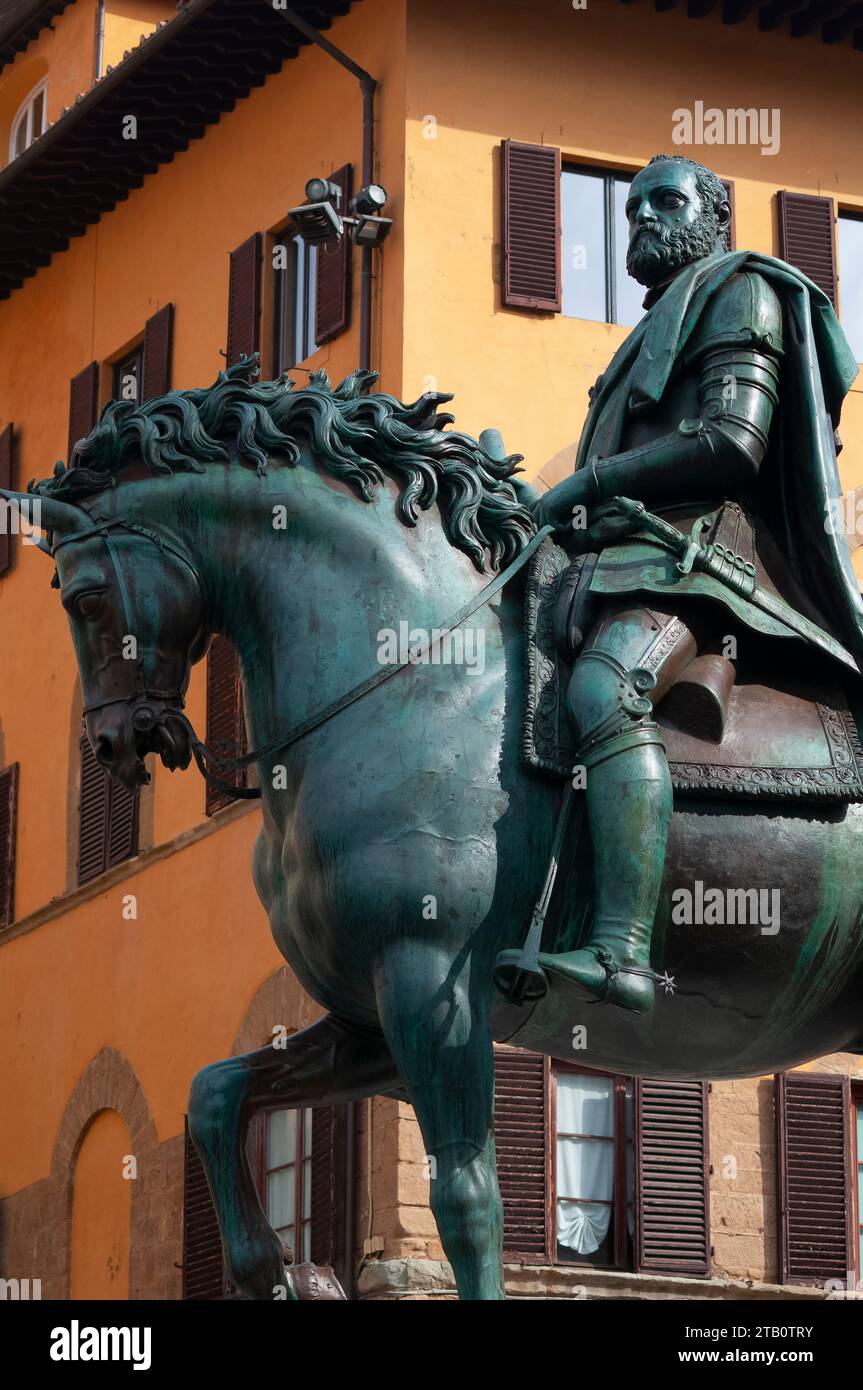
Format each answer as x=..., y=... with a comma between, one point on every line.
x=126, y=21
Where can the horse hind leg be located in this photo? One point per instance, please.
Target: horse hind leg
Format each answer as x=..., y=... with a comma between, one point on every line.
x=325, y=1064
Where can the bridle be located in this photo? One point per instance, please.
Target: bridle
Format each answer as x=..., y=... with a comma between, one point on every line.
x=144, y=717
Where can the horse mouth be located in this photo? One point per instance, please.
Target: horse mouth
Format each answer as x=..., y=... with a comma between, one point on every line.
x=169, y=739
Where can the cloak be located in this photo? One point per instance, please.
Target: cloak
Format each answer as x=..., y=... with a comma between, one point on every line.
x=799, y=478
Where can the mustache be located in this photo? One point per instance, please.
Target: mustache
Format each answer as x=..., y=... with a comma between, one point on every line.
x=653, y=229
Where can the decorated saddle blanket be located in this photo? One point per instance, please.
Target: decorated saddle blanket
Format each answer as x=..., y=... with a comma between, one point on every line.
x=792, y=738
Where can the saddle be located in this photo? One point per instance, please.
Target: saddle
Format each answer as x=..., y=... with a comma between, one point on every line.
x=727, y=733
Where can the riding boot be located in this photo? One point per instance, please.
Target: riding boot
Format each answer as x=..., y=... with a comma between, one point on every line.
x=629, y=798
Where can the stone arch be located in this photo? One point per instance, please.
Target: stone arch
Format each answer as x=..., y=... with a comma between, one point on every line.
x=109, y=1082
x=281, y=999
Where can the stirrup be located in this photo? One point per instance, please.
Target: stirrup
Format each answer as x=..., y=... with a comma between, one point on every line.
x=519, y=979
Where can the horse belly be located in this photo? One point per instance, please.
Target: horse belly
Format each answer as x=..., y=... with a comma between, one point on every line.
x=751, y=996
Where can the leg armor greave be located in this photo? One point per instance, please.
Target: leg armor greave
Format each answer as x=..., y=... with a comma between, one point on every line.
x=629, y=722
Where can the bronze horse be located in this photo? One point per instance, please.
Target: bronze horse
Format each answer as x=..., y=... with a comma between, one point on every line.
x=403, y=841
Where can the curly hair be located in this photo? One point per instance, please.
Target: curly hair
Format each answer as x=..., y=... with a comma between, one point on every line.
x=357, y=438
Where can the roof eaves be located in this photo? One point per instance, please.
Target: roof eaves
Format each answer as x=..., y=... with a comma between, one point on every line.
x=20, y=29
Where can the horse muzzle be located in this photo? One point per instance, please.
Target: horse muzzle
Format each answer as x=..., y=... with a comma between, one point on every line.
x=123, y=735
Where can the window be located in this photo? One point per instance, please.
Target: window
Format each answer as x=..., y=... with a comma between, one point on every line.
x=583, y=1159
x=286, y=1179
x=30, y=121
x=296, y=302
x=595, y=235
x=593, y=1169
x=299, y=1163
x=851, y=279
x=128, y=375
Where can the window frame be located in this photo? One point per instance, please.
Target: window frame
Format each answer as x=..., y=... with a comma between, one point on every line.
x=285, y=282
x=609, y=175
x=24, y=114
x=624, y=1251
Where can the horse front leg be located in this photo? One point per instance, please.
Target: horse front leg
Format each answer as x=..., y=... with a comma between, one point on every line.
x=441, y=1040
x=328, y=1063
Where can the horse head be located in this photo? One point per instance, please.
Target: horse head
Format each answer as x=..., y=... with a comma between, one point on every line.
x=136, y=611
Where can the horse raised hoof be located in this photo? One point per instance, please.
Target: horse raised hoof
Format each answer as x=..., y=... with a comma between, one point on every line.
x=517, y=981
x=601, y=979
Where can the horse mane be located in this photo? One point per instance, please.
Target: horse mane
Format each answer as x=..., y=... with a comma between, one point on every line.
x=357, y=438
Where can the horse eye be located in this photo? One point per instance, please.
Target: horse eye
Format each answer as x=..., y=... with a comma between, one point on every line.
x=87, y=605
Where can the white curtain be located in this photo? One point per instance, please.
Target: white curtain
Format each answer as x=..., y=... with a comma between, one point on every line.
x=585, y=1167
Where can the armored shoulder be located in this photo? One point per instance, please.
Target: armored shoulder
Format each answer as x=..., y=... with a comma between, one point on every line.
x=745, y=313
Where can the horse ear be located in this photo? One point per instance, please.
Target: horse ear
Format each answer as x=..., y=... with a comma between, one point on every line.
x=46, y=513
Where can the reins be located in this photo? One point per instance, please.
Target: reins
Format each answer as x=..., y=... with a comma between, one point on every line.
x=144, y=717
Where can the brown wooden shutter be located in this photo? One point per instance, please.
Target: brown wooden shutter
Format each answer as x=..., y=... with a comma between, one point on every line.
x=203, y=1265
x=672, y=1217
x=807, y=239
x=8, y=830
x=244, y=300
x=335, y=261
x=329, y=1186
x=226, y=726
x=83, y=405
x=732, y=226
x=6, y=439
x=530, y=231
x=92, y=815
x=813, y=1122
x=158, y=346
x=107, y=819
x=122, y=829
x=521, y=1133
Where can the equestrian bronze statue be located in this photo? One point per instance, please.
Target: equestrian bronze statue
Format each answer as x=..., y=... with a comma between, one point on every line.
x=620, y=742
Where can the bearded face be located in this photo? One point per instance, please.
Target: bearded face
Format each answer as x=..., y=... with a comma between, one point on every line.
x=670, y=223
x=656, y=251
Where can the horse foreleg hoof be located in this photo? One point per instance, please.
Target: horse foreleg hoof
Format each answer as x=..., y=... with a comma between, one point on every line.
x=517, y=984
x=315, y=1283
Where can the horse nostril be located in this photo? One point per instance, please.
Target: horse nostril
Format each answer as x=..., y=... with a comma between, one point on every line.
x=104, y=749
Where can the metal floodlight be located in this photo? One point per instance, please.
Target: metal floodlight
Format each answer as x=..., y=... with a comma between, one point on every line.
x=371, y=231
x=370, y=201
x=323, y=191
x=316, y=221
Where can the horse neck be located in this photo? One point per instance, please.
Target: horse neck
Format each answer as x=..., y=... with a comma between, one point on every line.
x=305, y=604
